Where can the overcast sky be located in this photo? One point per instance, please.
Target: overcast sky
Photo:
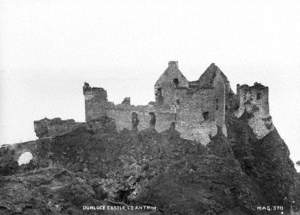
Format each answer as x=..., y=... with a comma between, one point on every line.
x=48, y=48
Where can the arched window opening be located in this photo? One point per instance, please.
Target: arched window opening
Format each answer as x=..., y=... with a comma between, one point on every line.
x=258, y=96
x=205, y=115
x=176, y=82
x=152, y=119
x=159, y=96
x=159, y=92
x=134, y=120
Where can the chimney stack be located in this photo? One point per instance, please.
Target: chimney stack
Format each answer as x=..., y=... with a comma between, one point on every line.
x=173, y=64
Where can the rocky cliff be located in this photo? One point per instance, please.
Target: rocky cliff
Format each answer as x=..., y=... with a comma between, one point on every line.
x=93, y=164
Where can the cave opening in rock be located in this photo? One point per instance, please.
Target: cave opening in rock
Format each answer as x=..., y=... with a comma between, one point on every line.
x=25, y=158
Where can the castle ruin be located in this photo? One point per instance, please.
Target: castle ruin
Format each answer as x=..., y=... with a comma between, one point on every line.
x=197, y=109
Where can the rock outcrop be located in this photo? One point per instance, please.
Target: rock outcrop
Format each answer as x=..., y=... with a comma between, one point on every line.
x=94, y=164
x=8, y=164
x=53, y=127
x=199, y=148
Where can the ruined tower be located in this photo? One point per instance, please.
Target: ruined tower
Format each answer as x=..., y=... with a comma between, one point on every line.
x=254, y=98
x=95, y=102
x=254, y=101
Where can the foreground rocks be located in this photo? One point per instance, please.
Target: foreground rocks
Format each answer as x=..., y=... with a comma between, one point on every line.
x=8, y=164
x=95, y=165
x=44, y=191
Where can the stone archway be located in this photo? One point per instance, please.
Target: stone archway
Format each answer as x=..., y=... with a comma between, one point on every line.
x=25, y=158
x=24, y=151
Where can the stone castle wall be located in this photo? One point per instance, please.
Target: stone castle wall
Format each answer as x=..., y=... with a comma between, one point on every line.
x=123, y=117
x=220, y=102
x=196, y=108
x=95, y=101
x=188, y=115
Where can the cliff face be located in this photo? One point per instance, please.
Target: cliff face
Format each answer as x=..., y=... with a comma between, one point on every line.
x=94, y=164
x=295, y=194
x=266, y=161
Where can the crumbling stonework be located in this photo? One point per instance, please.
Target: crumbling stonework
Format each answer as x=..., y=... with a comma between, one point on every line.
x=52, y=127
x=255, y=100
x=197, y=108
